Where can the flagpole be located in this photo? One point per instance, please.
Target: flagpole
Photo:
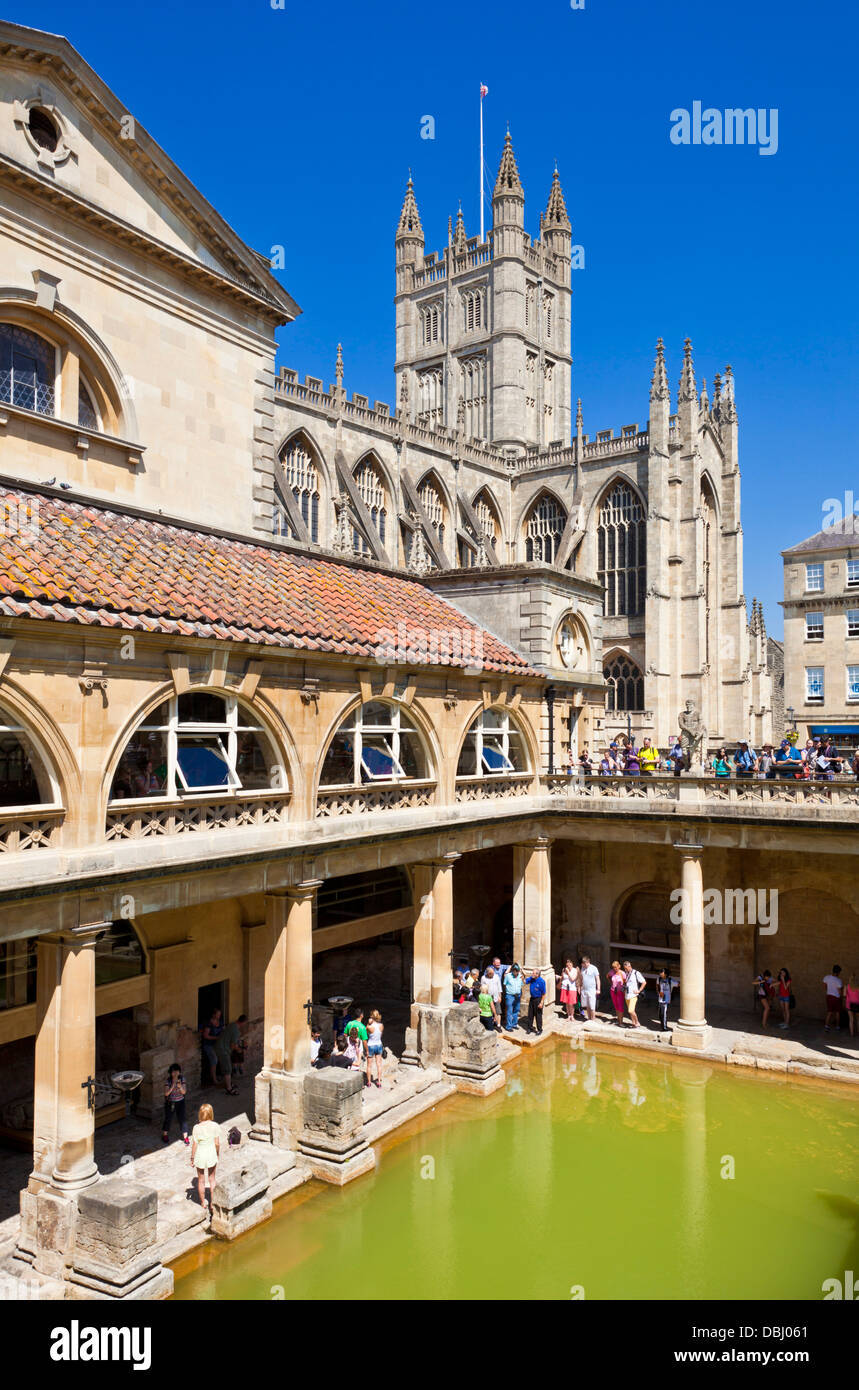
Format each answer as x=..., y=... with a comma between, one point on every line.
x=481, y=163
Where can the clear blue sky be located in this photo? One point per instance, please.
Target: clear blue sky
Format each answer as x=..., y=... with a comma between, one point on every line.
x=299, y=124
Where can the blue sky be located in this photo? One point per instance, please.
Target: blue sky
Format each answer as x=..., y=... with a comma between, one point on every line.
x=300, y=124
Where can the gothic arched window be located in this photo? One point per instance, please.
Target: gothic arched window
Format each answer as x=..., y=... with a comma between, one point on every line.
x=472, y=394
x=433, y=504
x=621, y=552
x=368, y=480
x=543, y=529
x=430, y=398
x=624, y=685
x=472, y=310
x=301, y=475
x=430, y=320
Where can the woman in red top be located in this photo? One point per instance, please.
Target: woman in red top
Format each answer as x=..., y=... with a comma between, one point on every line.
x=616, y=984
x=784, y=995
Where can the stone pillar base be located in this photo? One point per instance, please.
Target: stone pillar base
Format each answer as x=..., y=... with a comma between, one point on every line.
x=475, y=1085
x=339, y=1171
x=240, y=1200
x=47, y=1231
x=425, y=1039
x=278, y=1108
x=332, y=1141
x=154, y=1285
x=696, y=1036
x=470, y=1057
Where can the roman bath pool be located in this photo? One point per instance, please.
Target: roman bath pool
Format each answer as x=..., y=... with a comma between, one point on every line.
x=592, y=1174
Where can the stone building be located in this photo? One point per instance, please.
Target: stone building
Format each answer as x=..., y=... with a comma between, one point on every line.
x=285, y=681
x=821, y=633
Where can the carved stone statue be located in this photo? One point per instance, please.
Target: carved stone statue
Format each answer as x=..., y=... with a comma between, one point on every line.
x=693, y=737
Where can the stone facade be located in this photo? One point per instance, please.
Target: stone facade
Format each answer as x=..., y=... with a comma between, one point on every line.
x=821, y=633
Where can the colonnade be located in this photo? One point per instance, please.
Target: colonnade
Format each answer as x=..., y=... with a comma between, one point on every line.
x=64, y=1119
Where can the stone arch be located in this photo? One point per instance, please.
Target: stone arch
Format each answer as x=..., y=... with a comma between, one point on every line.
x=382, y=513
x=432, y=477
x=529, y=739
x=619, y=517
x=625, y=678
x=51, y=746
x=485, y=494
x=317, y=519
x=425, y=729
x=576, y=622
x=99, y=370
x=272, y=723
x=546, y=538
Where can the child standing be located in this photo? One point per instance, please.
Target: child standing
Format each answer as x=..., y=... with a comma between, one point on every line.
x=375, y=1029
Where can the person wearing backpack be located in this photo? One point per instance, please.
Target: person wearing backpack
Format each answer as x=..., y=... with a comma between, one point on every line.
x=634, y=986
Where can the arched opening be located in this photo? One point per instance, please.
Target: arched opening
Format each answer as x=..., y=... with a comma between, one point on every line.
x=432, y=500
x=493, y=746
x=572, y=643
x=377, y=742
x=25, y=779
x=53, y=373
x=543, y=529
x=370, y=482
x=302, y=475
x=642, y=930
x=622, y=551
x=624, y=684
x=489, y=537
x=198, y=743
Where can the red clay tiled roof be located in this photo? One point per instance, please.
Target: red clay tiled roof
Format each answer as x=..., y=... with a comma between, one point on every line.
x=76, y=562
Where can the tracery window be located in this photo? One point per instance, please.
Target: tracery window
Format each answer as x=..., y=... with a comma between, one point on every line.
x=472, y=389
x=377, y=742
x=430, y=323
x=431, y=397
x=548, y=307
x=530, y=302
x=543, y=529
x=433, y=504
x=368, y=481
x=621, y=552
x=473, y=317
x=301, y=475
x=624, y=685
x=197, y=743
x=492, y=745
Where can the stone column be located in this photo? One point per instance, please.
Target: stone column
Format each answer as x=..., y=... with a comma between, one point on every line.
x=532, y=912
x=433, y=944
x=692, y=1029
x=63, y=1122
x=442, y=929
x=286, y=1034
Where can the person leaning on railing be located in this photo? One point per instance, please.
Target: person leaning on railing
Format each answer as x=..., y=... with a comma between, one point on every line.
x=745, y=760
x=649, y=759
x=721, y=764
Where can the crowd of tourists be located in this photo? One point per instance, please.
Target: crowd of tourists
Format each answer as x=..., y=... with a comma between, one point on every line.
x=818, y=760
x=776, y=996
x=500, y=991
x=359, y=1047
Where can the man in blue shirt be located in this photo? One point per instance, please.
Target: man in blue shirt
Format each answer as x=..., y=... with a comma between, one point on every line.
x=745, y=761
x=537, y=990
x=787, y=758
x=512, y=997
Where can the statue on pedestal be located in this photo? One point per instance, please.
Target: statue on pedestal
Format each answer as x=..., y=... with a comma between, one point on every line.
x=693, y=738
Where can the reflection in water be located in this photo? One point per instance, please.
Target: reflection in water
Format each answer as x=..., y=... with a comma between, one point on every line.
x=588, y=1132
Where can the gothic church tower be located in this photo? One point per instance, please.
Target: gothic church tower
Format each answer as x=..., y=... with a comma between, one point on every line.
x=483, y=328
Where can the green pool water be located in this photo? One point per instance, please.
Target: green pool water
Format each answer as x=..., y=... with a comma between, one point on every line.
x=589, y=1172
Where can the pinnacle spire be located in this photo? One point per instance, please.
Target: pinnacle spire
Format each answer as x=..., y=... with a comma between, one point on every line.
x=508, y=180
x=705, y=399
x=459, y=234
x=579, y=419
x=556, y=208
x=687, y=390
x=659, y=381
x=410, y=218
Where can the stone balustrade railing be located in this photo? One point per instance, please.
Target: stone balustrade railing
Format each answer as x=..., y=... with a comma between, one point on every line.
x=494, y=788
x=36, y=830
x=136, y=820
x=384, y=796
x=714, y=790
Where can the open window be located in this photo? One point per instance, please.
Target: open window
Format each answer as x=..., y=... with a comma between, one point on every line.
x=377, y=742
x=493, y=745
x=195, y=744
